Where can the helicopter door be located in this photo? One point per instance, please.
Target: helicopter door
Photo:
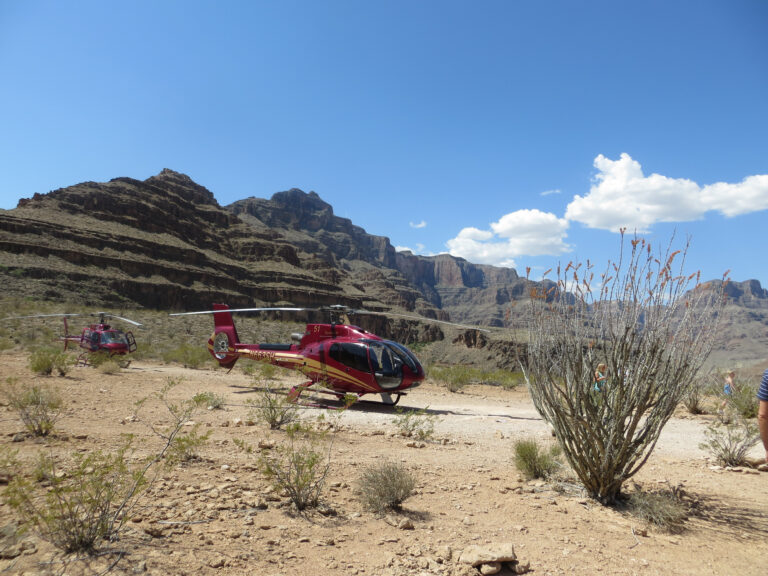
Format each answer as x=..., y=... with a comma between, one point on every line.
x=352, y=355
x=131, y=342
x=92, y=340
x=387, y=367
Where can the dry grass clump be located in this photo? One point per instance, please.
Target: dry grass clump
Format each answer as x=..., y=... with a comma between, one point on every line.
x=664, y=509
x=385, y=486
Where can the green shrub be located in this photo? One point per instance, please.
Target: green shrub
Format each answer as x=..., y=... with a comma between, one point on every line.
x=208, y=400
x=744, y=398
x=504, y=378
x=299, y=467
x=8, y=464
x=97, y=359
x=38, y=406
x=83, y=506
x=109, y=367
x=180, y=446
x=534, y=460
x=385, y=486
x=186, y=447
x=730, y=442
x=273, y=408
x=267, y=371
x=45, y=360
x=694, y=397
x=415, y=423
x=456, y=377
x=188, y=355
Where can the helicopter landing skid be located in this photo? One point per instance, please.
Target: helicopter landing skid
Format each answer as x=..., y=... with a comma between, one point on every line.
x=346, y=399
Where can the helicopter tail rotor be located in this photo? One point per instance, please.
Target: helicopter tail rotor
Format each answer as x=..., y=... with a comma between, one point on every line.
x=224, y=338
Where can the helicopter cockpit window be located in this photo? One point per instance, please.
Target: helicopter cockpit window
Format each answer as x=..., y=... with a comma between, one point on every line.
x=352, y=355
x=113, y=338
x=399, y=353
x=387, y=364
x=384, y=361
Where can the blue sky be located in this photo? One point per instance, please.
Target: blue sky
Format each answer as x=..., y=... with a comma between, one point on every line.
x=517, y=133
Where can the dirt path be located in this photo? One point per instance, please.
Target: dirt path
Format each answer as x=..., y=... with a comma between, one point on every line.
x=219, y=514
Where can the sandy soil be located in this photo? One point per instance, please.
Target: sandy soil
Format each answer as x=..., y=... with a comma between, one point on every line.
x=219, y=514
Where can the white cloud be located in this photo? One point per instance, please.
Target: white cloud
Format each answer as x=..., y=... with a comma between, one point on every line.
x=749, y=195
x=422, y=224
x=520, y=233
x=623, y=197
x=418, y=250
x=550, y=192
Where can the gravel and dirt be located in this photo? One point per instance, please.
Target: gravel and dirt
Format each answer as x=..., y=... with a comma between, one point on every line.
x=218, y=514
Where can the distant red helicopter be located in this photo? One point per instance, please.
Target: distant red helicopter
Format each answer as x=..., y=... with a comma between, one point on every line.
x=345, y=361
x=98, y=337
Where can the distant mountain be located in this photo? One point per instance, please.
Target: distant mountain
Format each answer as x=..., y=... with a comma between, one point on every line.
x=166, y=243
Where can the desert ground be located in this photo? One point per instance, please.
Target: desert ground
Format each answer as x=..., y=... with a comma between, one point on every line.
x=219, y=514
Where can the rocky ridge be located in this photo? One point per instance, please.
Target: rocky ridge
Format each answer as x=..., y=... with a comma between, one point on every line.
x=166, y=243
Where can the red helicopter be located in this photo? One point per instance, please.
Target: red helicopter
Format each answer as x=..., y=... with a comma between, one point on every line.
x=346, y=361
x=98, y=337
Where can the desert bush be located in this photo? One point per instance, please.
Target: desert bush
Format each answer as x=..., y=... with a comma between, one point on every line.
x=8, y=463
x=300, y=466
x=96, y=359
x=653, y=330
x=416, y=423
x=730, y=442
x=90, y=501
x=208, y=400
x=454, y=378
x=38, y=406
x=108, y=367
x=267, y=371
x=188, y=355
x=535, y=460
x=504, y=378
x=83, y=506
x=180, y=446
x=45, y=360
x=693, y=399
x=743, y=398
x=664, y=509
x=273, y=408
x=385, y=486
x=186, y=446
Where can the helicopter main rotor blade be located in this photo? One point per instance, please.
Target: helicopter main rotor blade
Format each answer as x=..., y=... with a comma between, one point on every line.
x=242, y=310
x=108, y=315
x=420, y=319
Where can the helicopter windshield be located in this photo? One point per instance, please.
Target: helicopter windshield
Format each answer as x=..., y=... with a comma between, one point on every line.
x=386, y=351
x=113, y=337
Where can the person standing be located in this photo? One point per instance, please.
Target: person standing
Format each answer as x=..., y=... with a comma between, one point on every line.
x=728, y=388
x=762, y=412
x=600, y=377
